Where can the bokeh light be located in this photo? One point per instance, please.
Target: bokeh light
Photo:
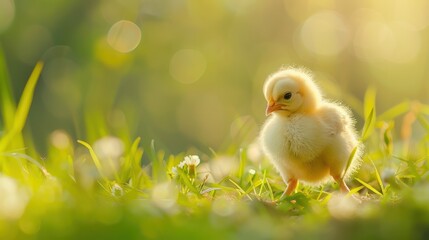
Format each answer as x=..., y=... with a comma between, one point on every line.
x=414, y=15
x=14, y=198
x=224, y=206
x=325, y=33
x=187, y=66
x=222, y=166
x=124, y=36
x=60, y=139
x=342, y=206
x=165, y=196
x=7, y=14
x=395, y=41
x=201, y=116
x=109, y=150
x=41, y=41
x=60, y=78
x=381, y=43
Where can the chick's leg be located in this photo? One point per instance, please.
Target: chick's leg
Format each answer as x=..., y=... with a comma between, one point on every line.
x=341, y=183
x=291, y=185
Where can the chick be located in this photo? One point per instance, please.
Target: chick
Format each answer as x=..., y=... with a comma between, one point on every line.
x=307, y=137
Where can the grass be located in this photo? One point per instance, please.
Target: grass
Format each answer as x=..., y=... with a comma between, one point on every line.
x=103, y=190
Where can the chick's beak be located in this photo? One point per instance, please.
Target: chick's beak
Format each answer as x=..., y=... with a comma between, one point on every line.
x=271, y=107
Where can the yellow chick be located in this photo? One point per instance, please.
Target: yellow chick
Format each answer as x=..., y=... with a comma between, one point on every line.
x=305, y=136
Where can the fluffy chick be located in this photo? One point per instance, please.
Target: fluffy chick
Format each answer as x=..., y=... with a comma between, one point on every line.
x=305, y=136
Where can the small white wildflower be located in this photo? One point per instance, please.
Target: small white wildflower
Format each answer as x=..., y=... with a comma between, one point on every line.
x=252, y=171
x=181, y=164
x=117, y=190
x=193, y=160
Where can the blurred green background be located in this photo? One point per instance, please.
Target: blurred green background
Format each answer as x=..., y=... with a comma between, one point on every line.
x=190, y=73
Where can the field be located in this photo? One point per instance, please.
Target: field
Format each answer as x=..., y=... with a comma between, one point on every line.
x=139, y=119
x=114, y=188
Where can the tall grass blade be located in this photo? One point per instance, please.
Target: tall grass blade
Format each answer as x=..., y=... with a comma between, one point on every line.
x=424, y=122
x=349, y=161
x=242, y=165
x=185, y=179
x=369, y=125
x=369, y=112
x=7, y=104
x=264, y=180
x=131, y=165
x=377, y=175
x=369, y=101
x=157, y=163
x=369, y=187
x=394, y=111
x=239, y=189
x=354, y=190
x=29, y=159
x=94, y=157
x=21, y=114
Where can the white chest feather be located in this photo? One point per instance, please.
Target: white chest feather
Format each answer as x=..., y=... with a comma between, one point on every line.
x=298, y=138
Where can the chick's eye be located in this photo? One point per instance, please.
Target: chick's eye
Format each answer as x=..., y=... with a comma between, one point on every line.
x=287, y=96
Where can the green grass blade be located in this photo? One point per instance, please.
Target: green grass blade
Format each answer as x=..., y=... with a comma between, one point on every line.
x=131, y=164
x=242, y=165
x=7, y=104
x=24, y=105
x=29, y=159
x=185, y=179
x=369, y=187
x=369, y=112
x=264, y=180
x=271, y=192
x=94, y=157
x=395, y=111
x=369, y=101
x=354, y=190
x=239, y=189
x=158, y=168
x=424, y=108
x=369, y=125
x=377, y=175
x=423, y=122
x=349, y=161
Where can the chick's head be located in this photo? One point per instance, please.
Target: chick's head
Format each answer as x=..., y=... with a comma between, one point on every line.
x=291, y=91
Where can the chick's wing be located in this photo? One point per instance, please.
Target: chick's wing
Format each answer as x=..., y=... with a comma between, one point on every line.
x=335, y=117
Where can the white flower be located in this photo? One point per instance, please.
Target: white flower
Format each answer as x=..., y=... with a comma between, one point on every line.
x=181, y=164
x=117, y=190
x=192, y=160
x=252, y=171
